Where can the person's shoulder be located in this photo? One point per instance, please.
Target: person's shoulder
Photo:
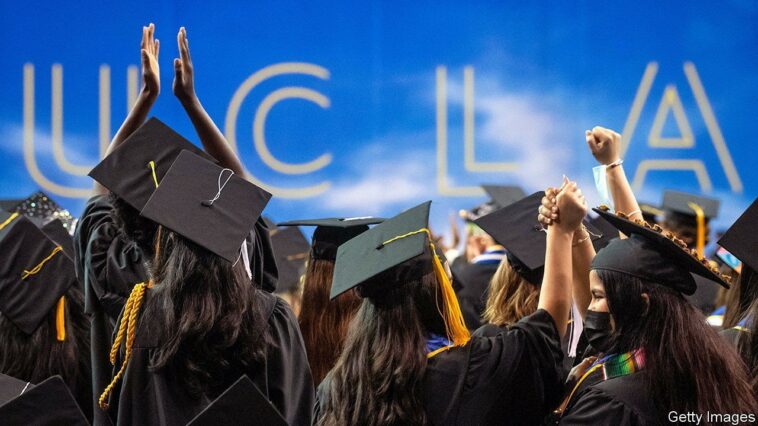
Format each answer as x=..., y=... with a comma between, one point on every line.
x=489, y=330
x=624, y=393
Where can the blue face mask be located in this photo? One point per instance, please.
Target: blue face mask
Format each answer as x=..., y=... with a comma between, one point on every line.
x=597, y=328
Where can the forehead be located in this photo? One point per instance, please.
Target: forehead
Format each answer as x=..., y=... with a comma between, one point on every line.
x=595, y=282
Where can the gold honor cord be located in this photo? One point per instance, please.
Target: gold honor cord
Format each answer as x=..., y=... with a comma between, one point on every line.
x=9, y=220
x=127, y=327
x=700, y=217
x=455, y=326
x=151, y=164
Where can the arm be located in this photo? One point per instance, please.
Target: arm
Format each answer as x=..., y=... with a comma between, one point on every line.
x=555, y=294
x=210, y=136
x=150, y=89
x=605, y=145
x=582, y=252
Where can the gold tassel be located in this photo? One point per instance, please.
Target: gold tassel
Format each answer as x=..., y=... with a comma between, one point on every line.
x=151, y=164
x=60, y=319
x=39, y=266
x=455, y=325
x=127, y=327
x=700, y=217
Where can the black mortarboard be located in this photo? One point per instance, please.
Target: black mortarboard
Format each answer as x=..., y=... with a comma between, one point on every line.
x=504, y=195
x=370, y=254
x=133, y=170
x=207, y=204
x=679, y=203
x=41, y=209
x=48, y=403
x=330, y=233
x=34, y=273
x=241, y=404
x=11, y=387
x=741, y=239
x=8, y=204
x=516, y=227
x=291, y=251
x=59, y=234
x=653, y=254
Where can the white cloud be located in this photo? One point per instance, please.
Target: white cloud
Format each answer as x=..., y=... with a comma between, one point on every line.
x=382, y=177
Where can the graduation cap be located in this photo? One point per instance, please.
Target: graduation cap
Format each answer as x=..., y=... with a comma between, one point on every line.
x=48, y=403
x=369, y=253
x=504, y=195
x=517, y=228
x=741, y=239
x=330, y=233
x=11, y=387
x=500, y=196
x=652, y=254
x=8, y=204
x=404, y=246
x=34, y=274
x=134, y=169
x=56, y=231
x=41, y=209
x=241, y=404
x=682, y=203
x=207, y=204
x=291, y=251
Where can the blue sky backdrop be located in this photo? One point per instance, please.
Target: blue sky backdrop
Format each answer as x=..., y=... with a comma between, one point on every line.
x=543, y=73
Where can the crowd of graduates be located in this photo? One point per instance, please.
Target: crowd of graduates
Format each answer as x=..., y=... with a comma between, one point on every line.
x=172, y=299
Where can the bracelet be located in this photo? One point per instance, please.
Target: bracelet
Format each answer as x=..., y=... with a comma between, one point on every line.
x=581, y=240
x=614, y=164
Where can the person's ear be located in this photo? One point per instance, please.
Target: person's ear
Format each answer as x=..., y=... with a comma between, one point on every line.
x=646, y=299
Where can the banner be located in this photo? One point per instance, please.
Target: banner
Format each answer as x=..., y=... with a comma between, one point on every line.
x=344, y=108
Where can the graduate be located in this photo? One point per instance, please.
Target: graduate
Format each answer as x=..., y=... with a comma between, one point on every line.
x=472, y=279
x=198, y=325
x=324, y=322
x=43, y=329
x=654, y=351
x=408, y=356
x=291, y=252
x=113, y=244
x=515, y=288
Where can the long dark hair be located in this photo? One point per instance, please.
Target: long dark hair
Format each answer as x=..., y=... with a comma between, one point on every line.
x=324, y=322
x=138, y=228
x=378, y=377
x=34, y=358
x=206, y=308
x=688, y=366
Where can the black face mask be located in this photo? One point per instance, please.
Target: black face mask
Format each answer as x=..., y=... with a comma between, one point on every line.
x=597, y=328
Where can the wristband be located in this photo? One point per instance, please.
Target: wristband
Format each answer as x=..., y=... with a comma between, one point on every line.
x=614, y=164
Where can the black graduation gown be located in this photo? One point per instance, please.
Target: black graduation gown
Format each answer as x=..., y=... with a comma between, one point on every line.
x=108, y=265
x=513, y=377
x=262, y=261
x=617, y=401
x=474, y=281
x=145, y=397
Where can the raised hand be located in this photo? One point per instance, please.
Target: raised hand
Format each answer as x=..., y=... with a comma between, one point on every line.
x=548, y=211
x=572, y=207
x=604, y=144
x=184, y=79
x=150, y=48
